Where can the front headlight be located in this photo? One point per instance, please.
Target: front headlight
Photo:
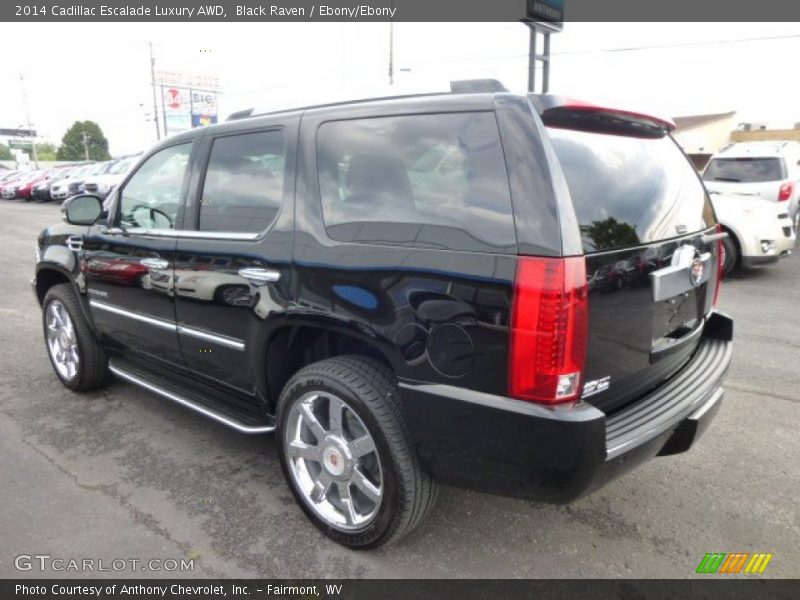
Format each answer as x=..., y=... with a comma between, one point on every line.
x=38, y=253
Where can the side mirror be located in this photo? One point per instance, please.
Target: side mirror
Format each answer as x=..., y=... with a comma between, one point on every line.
x=83, y=209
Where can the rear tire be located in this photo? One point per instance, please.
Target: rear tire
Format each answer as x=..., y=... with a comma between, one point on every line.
x=326, y=459
x=731, y=254
x=77, y=358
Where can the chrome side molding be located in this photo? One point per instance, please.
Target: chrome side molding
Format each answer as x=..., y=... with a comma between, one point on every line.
x=182, y=400
x=170, y=326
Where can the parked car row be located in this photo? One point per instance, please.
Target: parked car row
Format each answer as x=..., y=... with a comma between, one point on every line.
x=755, y=190
x=59, y=183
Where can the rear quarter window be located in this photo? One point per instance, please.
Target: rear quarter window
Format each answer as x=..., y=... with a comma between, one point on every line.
x=433, y=181
x=630, y=191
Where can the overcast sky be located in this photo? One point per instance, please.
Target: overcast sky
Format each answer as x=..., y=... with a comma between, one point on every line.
x=101, y=71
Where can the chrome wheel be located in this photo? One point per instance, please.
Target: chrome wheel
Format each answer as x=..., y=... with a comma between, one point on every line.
x=333, y=461
x=62, y=341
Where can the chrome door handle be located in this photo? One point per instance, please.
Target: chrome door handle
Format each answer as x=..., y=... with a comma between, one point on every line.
x=113, y=231
x=154, y=263
x=258, y=276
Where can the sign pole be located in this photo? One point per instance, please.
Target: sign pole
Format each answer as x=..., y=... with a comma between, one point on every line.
x=155, y=98
x=532, y=59
x=164, y=113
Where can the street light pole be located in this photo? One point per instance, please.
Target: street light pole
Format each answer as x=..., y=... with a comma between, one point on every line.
x=153, y=84
x=28, y=120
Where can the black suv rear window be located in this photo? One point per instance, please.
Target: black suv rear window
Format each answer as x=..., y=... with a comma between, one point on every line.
x=431, y=181
x=630, y=191
x=745, y=170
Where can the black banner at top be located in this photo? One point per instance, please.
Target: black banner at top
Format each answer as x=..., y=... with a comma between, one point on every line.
x=549, y=11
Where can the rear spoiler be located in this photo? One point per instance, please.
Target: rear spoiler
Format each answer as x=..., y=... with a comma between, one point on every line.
x=568, y=113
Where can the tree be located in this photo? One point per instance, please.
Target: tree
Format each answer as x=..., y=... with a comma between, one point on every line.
x=46, y=151
x=610, y=233
x=5, y=153
x=72, y=144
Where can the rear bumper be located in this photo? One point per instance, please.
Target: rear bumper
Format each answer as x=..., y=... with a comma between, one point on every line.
x=500, y=445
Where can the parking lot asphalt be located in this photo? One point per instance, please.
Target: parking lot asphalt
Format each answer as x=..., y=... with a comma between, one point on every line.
x=121, y=473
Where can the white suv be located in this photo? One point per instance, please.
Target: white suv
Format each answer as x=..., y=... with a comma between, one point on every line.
x=770, y=170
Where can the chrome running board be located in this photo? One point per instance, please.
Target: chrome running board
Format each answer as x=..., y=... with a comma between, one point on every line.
x=194, y=405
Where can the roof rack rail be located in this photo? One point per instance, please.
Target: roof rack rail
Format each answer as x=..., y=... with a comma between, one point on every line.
x=465, y=86
x=240, y=114
x=476, y=86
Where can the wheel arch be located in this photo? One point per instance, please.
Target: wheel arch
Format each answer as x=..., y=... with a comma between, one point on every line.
x=50, y=274
x=297, y=344
x=736, y=237
x=47, y=276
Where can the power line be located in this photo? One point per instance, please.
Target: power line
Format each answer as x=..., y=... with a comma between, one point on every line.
x=681, y=44
x=609, y=50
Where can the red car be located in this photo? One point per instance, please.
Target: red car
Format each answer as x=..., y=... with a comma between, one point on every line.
x=8, y=187
x=26, y=184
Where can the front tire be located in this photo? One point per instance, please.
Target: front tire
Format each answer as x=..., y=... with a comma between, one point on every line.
x=78, y=360
x=346, y=452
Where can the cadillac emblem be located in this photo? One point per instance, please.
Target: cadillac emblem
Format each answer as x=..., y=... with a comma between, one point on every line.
x=696, y=271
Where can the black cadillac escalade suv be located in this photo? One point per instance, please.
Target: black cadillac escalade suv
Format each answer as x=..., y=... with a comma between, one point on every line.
x=509, y=293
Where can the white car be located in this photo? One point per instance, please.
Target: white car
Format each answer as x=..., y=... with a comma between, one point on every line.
x=60, y=190
x=102, y=184
x=759, y=231
x=770, y=170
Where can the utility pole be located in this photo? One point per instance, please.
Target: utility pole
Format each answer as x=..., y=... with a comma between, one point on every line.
x=85, y=146
x=391, y=52
x=28, y=120
x=153, y=84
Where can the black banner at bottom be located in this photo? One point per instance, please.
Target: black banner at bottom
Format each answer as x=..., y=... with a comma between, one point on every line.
x=407, y=589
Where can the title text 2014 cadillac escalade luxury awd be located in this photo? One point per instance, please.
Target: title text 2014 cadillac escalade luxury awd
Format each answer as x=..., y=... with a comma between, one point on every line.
x=504, y=292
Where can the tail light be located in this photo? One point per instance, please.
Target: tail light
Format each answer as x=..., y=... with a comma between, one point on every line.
x=549, y=327
x=786, y=191
x=720, y=266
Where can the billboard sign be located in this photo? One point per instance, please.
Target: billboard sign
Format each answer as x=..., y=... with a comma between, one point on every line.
x=198, y=81
x=203, y=103
x=174, y=100
x=18, y=132
x=20, y=144
x=177, y=122
x=546, y=14
x=203, y=120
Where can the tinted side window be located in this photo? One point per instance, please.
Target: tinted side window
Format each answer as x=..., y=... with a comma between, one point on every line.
x=152, y=196
x=433, y=181
x=243, y=188
x=629, y=191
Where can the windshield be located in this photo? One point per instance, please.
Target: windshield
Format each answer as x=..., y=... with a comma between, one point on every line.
x=745, y=170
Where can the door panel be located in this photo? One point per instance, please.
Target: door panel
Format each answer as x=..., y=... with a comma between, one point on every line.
x=129, y=266
x=232, y=273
